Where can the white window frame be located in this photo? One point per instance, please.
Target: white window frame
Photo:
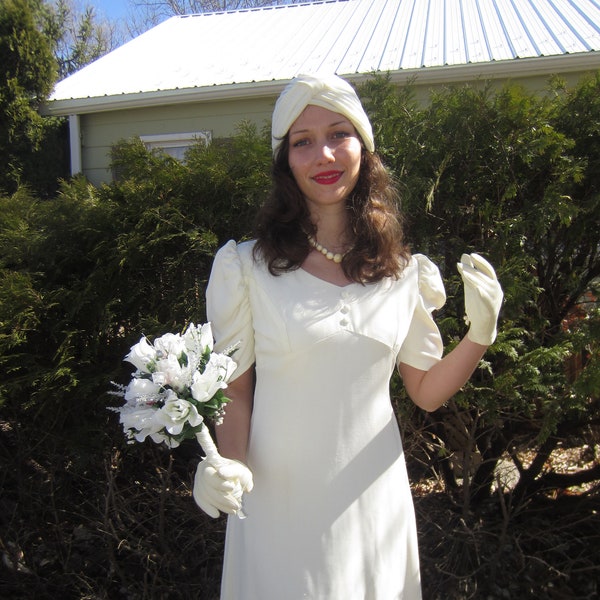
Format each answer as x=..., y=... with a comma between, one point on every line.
x=175, y=144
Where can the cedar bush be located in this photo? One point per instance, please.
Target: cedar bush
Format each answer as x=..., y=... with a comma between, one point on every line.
x=33, y=149
x=84, y=274
x=515, y=177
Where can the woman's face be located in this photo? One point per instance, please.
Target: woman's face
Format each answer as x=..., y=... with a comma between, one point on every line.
x=324, y=156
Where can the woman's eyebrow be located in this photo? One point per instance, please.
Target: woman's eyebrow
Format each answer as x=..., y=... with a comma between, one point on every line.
x=297, y=131
x=342, y=122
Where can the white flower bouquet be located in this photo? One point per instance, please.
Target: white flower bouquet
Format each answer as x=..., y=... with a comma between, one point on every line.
x=178, y=384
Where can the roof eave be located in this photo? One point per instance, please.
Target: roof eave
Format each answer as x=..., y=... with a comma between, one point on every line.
x=513, y=68
x=516, y=68
x=230, y=91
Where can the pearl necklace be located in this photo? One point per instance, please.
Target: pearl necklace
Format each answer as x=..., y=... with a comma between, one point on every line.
x=336, y=257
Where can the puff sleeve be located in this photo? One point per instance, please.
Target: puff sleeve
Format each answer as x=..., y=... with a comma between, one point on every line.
x=423, y=347
x=228, y=307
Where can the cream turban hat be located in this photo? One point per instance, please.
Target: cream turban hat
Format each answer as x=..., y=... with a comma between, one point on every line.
x=330, y=92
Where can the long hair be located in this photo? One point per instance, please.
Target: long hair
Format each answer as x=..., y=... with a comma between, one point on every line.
x=378, y=249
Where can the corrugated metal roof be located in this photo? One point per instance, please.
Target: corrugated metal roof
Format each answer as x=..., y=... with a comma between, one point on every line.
x=343, y=36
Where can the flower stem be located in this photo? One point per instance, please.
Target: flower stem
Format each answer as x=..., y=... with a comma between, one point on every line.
x=208, y=445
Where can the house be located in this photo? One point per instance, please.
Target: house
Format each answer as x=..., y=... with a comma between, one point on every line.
x=197, y=76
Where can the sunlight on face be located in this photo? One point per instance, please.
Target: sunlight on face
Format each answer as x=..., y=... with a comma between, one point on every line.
x=324, y=156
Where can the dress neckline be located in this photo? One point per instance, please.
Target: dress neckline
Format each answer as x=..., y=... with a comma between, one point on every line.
x=330, y=283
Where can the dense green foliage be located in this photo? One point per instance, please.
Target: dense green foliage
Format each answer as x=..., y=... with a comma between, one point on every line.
x=87, y=272
x=513, y=176
x=32, y=149
x=40, y=42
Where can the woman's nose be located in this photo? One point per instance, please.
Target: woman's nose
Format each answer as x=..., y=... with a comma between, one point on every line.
x=325, y=153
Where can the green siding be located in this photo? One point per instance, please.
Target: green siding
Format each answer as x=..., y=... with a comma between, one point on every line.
x=100, y=131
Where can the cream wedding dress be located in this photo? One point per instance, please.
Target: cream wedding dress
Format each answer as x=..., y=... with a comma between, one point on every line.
x=331, y=514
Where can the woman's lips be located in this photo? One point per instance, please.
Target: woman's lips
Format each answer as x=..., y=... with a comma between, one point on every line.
x=328, y=177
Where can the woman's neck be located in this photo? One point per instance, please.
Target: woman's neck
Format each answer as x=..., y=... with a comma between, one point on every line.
x=333, y=231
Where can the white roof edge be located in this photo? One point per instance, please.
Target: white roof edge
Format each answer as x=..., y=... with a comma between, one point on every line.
x=162, y=97
x=520, y=67
x=523, y=67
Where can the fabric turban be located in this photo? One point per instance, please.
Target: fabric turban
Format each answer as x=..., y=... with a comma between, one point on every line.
x=330, y=92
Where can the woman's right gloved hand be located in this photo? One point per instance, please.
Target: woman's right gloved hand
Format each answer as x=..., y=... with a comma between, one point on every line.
x=221, y=488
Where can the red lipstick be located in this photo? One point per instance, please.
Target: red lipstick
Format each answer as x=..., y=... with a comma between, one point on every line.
x=328, y=177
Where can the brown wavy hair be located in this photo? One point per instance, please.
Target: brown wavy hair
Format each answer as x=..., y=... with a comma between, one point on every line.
x=284, y=221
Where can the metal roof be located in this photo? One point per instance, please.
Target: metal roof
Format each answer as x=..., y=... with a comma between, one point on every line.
x=348, y=37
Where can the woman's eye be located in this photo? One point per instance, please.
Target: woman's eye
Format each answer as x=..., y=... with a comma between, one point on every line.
x=299, y=143
x=338, y=135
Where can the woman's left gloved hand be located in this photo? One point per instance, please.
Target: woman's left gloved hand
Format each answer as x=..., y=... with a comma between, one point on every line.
x=483, y=298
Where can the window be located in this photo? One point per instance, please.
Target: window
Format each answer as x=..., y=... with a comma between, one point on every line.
x=175, y=144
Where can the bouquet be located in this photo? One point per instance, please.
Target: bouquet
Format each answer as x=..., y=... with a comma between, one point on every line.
x=178, y=384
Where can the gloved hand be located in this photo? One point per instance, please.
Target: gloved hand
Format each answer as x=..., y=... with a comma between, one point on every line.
x=483, y=298
x=221, y=488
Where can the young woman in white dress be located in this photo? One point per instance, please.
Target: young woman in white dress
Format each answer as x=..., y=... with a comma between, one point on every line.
x=327, y=301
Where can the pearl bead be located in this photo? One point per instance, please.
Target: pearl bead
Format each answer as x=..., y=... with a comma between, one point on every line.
x=336, y=257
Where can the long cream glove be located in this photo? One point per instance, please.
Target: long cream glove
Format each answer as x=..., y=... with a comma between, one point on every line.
x=221, y=488
x=483, y=298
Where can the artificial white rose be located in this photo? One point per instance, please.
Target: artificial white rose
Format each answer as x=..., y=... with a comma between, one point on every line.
x=138, y=419
x=176, y=413
x=224, y=364
x=141, y=355
x=217, y=372
x=170, y=343
x=198, y=338
x=162, y=438
x=170, y=372
x=140, y=387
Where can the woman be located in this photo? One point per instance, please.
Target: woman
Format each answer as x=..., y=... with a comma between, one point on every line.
x=326, y=302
